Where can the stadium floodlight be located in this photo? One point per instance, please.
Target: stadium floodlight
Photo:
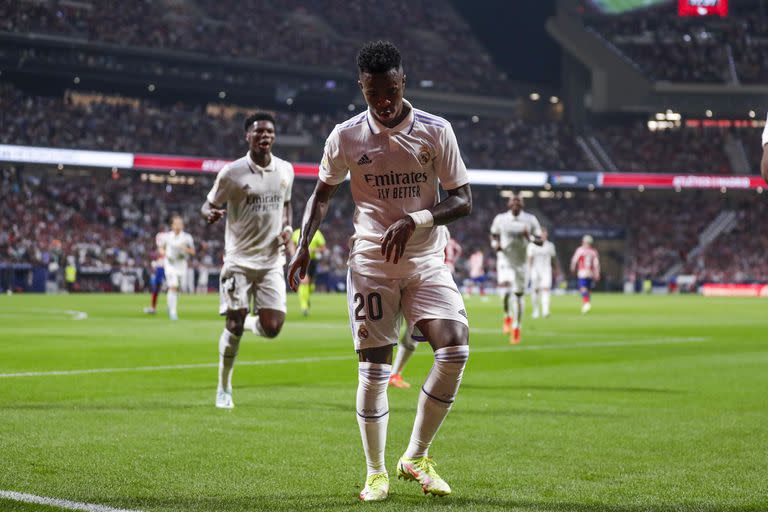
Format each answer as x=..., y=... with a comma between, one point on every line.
x=535, y=96
x=475, y=119
x=222, y=94
x=708, y=113
x=752, y=114
x=554, y=100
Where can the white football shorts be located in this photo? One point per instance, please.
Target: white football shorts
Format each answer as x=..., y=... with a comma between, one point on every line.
x=509, y=274
x=243, y=288
x=176, y=275
x=376, y=304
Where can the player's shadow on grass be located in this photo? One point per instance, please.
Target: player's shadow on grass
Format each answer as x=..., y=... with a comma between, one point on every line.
x=591, y=389
x=471, y=503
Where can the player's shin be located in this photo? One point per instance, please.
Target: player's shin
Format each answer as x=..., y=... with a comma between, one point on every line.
x=304, y=292
x=545, y=302
x=405, y=350
x=436, y=397
x=518, y=307
x=173, y=298
x=373, y=412
x=228, y=347
x=535, y=298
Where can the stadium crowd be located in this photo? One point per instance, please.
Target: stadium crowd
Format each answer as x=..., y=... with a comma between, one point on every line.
x=691, y=49
x=322, y=33
x=107, y=122
x=107, y=220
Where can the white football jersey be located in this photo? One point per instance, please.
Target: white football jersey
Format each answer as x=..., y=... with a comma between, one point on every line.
x=175, y=245
x=765, y=134
x=541, y=256
x=254, y=196
x=510, y=229
x=393, y=172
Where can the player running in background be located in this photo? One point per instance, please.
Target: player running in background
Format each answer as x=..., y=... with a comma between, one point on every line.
x=542, y=265
x=257, y=192
x=409, y=340
x=395, y=156
x=511, y=232
x=586, y=264
x=477, y=271
x=177, y=247
x=307, y=285
x=158, y=272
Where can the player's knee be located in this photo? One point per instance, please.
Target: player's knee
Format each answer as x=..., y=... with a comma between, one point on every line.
x=235, y=325
x=272, y=326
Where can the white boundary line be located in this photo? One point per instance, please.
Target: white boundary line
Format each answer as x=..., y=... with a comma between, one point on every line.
x=267, y=362
x=55, y=502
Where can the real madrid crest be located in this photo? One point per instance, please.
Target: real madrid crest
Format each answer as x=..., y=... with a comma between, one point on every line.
x=424, y=154
x=362, y=332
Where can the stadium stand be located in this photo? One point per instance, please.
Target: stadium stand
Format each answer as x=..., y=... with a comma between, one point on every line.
x=430, y=29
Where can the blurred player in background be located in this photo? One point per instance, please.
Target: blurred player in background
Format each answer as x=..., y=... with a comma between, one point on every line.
x=477, y=271
x=542, y=266
x=158, y=272
x=409, y=339
x=511, y=232
x=307, y=284
x=586, y=264
x=397, y=157
x=178, y=246
x=257, y=192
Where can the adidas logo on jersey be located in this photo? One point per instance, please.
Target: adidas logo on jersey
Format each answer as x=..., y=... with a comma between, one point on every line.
x=364, y=160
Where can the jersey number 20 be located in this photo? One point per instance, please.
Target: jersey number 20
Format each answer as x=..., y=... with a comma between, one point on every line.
x=374, y=306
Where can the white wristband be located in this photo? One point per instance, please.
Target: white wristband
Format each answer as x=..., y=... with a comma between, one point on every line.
x=422, y=218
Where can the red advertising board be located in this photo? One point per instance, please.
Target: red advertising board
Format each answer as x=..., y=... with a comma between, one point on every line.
x=702, y=7
x=734, y=290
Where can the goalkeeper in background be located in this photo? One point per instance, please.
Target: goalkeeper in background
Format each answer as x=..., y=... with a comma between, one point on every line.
x=316, y=252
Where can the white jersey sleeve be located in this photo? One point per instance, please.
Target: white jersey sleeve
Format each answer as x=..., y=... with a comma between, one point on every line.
x=496, y=225
x=449, y=166
x=765, y=134
x=221, y=190
x=333, y=167
x=535, y=226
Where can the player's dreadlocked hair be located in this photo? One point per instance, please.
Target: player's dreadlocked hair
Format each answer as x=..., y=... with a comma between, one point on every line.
x=378, y=57
x=258, y=116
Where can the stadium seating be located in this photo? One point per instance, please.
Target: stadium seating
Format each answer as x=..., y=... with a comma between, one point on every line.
x=322, y=33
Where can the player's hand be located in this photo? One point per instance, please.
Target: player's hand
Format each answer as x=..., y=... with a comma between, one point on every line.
x=214, y=214
x=285, y=235
x=394, y=240
x=297, y=270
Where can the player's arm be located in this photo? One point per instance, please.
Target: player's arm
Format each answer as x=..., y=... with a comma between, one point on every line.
x=574, y=260
x=213, y=209
x=457, y=204
x=597, y=267
x=764, y=163
x=317, y=208
x=285, y=234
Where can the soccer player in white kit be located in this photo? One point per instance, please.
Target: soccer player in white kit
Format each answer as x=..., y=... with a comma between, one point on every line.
x=542, y=265
x=395, y=156
x=764, y=161
x=177, y=247
x=257, y=192
x=511, y=232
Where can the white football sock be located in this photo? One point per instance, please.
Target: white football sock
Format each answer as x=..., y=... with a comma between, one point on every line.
x=518, y=306
x=535, y=295
x=545, y=300
x=373, y=412
x=436, y=397
x=173, y=298
x=228, y=346
x=405, y=350
x=253, y=324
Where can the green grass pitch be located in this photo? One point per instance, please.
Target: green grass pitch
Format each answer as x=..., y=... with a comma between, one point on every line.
x=655, y=404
